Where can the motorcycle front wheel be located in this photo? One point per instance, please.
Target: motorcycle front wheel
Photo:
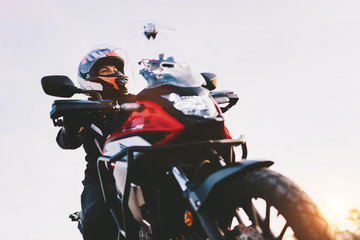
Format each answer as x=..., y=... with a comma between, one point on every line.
x=265, y=205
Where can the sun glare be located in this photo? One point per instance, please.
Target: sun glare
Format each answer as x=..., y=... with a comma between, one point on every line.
x=335, y=210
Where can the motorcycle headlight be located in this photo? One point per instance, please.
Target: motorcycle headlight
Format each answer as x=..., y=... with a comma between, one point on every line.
x=201, y=106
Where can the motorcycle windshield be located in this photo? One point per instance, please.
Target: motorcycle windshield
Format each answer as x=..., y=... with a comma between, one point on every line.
x=154, y=60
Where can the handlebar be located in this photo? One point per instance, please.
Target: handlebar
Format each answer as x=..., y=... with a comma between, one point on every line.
x=61, y=108
x=101, y=107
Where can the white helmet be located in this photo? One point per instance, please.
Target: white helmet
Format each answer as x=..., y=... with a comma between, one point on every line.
x=99, y=56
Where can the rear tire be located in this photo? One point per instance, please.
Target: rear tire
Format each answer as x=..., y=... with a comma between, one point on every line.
x=272, y=197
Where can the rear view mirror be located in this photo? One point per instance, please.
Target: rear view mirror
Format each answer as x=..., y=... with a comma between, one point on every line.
x=59, y=86
x=210, y=79
x=223, y=97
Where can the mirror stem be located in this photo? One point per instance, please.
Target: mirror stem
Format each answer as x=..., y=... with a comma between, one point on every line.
x=95, y=95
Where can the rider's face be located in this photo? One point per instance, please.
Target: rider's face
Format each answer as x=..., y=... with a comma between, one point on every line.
x=107, y=70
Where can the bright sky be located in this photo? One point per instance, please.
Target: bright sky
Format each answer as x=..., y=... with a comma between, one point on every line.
x=294, y=64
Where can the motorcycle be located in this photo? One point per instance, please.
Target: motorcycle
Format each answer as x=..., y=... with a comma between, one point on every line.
x=170, y=172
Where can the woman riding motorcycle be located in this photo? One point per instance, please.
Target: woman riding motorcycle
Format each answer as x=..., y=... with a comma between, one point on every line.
x=102, y=70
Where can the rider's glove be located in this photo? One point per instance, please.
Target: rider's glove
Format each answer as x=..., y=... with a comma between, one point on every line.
x=73, y=124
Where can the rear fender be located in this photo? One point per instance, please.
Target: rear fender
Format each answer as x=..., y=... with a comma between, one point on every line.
x=198, y=195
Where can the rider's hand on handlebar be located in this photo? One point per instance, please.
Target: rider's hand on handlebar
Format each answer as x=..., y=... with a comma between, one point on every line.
x=73, y=123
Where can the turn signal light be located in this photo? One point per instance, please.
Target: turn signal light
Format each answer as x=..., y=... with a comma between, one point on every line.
x=188, y=218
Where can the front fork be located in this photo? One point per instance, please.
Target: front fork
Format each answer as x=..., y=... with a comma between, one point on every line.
x=199, y=194
x=209, y=227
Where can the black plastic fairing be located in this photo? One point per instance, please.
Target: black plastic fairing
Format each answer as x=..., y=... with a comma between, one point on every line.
x=205, y=192
x=63, y=107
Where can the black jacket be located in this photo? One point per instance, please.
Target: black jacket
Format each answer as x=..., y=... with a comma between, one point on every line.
x=92, y=136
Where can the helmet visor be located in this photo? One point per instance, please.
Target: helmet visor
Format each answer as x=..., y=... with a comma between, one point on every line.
x=101, y=55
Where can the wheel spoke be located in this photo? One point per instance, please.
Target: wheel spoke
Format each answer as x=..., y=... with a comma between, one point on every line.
x=252, y=214
x=238, y=218
x=258, y=221
x=266, y=224
x=283, y=232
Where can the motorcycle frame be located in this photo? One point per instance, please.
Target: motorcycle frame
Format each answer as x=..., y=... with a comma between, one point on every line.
x=197, y=196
